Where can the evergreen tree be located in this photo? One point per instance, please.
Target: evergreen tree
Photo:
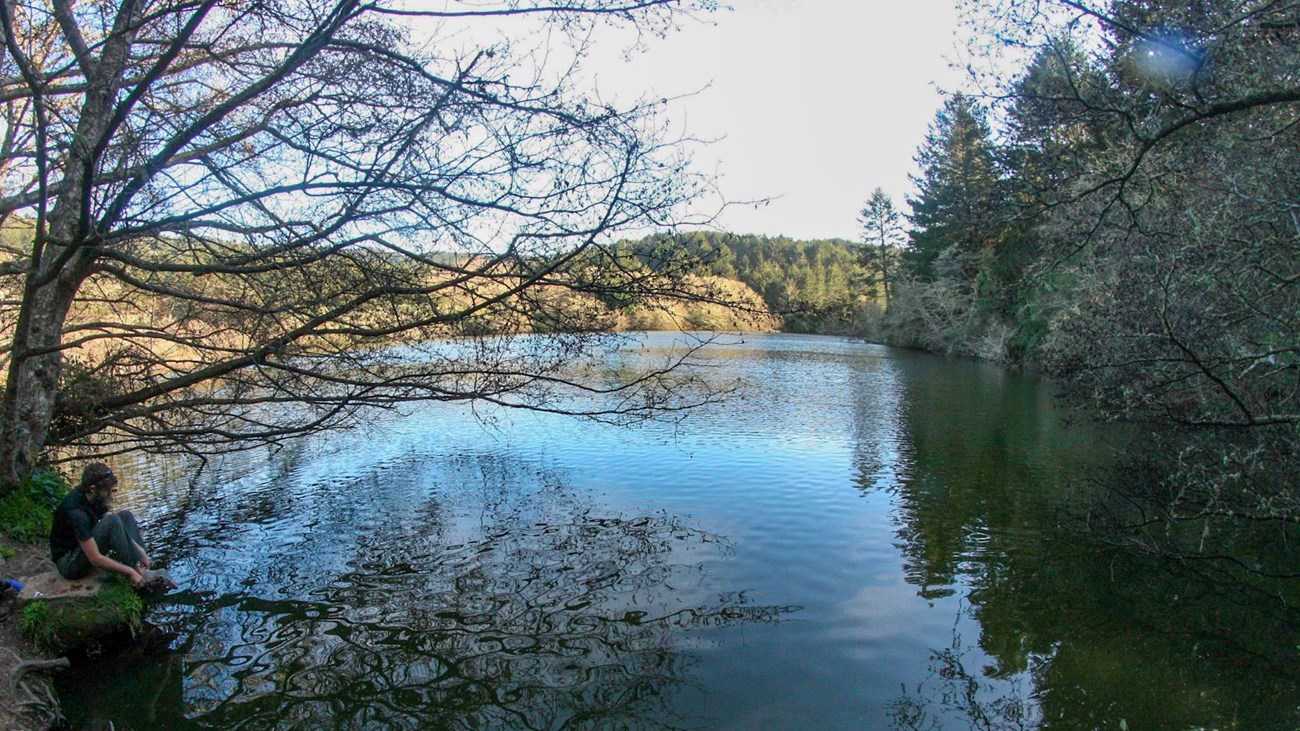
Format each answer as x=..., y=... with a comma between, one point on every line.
x=1053, y=134
x=810, y=283
x=958, y=203
x=1052, y=125
x=881, y=228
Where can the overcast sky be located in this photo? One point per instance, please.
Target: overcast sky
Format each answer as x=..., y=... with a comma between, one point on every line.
x=817, y=102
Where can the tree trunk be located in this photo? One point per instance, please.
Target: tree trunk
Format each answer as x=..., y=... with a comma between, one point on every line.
x=884, y=271
x=35, y=364
x=63, y=255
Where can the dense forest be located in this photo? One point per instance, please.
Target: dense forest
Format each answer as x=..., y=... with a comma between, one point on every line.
x=812, y=286
x=1123, y=212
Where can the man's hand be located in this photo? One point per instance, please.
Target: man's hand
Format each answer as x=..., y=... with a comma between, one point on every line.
x=134, y=576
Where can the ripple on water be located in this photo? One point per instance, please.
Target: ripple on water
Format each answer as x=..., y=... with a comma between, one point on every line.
x=790, y=559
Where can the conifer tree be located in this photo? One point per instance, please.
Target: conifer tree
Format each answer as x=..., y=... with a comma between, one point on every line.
x=881, y=228
x=957, y=206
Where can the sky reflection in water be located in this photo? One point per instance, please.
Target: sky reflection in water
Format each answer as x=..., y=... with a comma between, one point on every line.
x=853, y=543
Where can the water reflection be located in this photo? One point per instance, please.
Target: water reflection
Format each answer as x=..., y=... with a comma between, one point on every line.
x=479, y=592
x=882, y=456
x=147, y=679
x=546, y=573
x=1068, y=633
x=952, y=690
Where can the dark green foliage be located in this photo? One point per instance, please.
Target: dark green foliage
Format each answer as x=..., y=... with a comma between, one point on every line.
x=1051, y=127
x=24, y=519
x=814, y=285
x=1051, y=135
x=47, y=487
x=956, y=293
x=56, y=626
x=882, y=236
x=1143, y=249
x=26, y=512
x=958, y=207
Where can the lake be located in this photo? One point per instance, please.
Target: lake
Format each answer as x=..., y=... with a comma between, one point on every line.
x=861, y=538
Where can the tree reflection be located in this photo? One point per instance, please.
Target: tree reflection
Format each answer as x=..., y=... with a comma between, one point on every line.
x=952, y=690
x=500, y=599
x=990, y=511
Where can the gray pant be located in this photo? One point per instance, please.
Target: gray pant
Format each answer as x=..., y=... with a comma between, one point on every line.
x=116, y=535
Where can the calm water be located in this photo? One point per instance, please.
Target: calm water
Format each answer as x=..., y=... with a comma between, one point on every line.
x=866, y=538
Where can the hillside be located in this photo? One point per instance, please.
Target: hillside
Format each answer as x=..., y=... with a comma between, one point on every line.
x=811, y=286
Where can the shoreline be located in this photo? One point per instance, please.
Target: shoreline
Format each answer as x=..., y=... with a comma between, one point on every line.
x=28, y=560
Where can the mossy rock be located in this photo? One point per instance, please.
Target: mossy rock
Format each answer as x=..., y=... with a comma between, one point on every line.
x=59, y=625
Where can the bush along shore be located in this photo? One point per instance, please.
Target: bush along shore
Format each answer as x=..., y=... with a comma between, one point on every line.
x=43, y=617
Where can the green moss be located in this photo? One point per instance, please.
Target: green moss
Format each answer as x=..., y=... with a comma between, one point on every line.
x=7, y=552
x=58, y=625
x=26, y=512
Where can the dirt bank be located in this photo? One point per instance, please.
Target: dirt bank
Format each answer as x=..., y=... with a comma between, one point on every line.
x=35, y=706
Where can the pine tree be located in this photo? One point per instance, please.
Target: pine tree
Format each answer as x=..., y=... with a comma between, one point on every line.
x=1053, y=134
x=957, y=209
x=1052, y=124
x=881, y=228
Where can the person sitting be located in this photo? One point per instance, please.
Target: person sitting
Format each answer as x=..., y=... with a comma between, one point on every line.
x=85, y=534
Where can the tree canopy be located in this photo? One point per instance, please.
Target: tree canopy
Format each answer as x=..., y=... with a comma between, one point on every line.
x=1133, y=203
x=814, y=286
x=231, y=221
x=955, y=211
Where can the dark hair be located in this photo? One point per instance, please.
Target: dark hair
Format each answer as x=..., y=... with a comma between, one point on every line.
x=96, y=475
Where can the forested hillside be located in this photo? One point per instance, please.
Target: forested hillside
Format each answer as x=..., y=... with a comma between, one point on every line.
x=813, y=286
x=1124, y=211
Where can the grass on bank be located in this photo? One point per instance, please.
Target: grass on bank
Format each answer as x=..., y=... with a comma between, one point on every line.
x=57, y=626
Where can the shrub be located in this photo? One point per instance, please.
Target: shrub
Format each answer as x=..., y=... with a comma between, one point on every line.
x=26, y=512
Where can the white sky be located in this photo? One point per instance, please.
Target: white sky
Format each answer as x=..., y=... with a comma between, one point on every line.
x=817, y=102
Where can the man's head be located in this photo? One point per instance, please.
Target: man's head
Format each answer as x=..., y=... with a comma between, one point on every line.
x=97, y=481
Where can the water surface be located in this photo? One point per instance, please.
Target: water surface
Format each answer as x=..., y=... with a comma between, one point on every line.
x=863, y=538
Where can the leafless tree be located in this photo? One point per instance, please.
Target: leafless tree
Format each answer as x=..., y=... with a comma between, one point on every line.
x=228, y=221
